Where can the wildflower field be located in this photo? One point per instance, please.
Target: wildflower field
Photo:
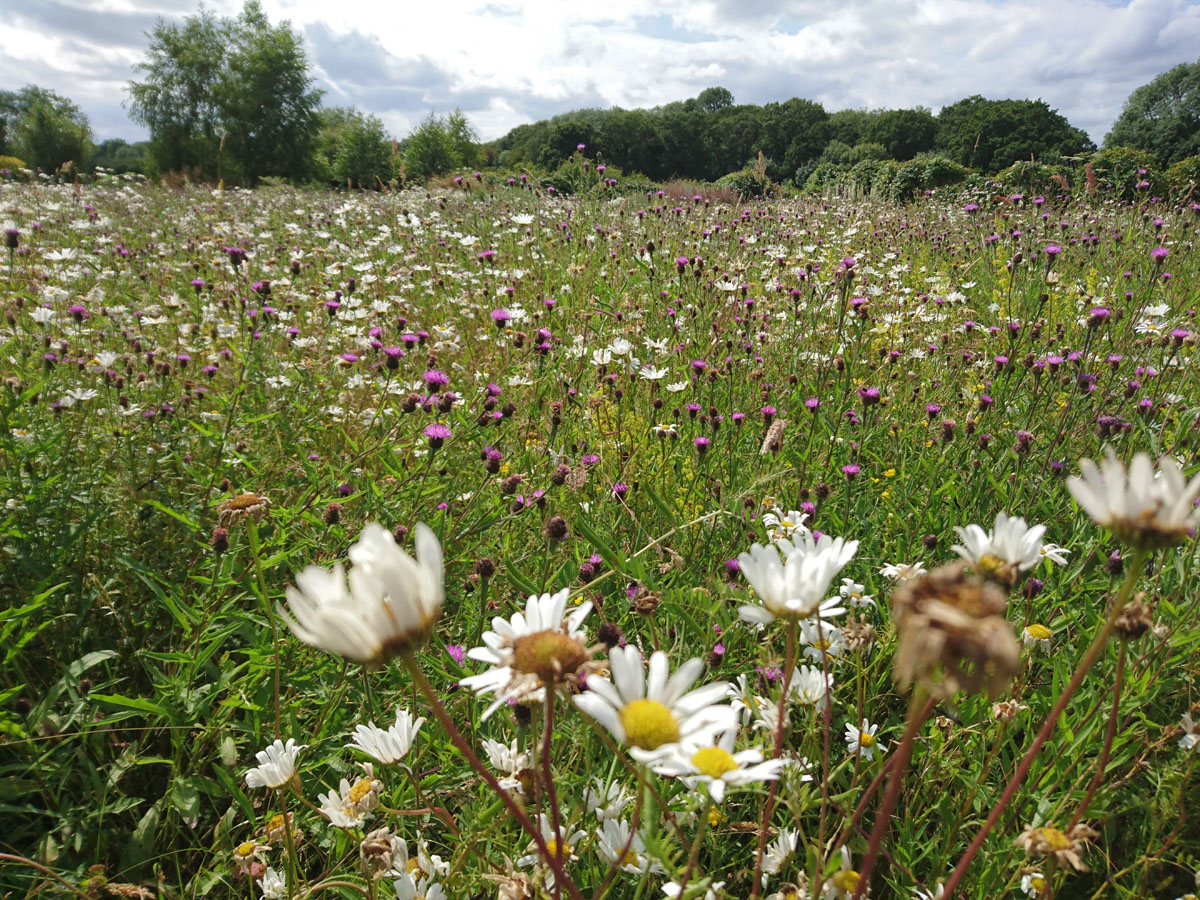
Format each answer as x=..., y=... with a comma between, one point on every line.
x=492, y=543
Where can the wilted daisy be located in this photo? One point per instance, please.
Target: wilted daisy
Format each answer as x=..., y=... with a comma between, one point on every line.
x=861, y=739
x=273, y=885
x=1066, y=847
x=793, y=583
x=1008, y=549
x=1036, y=637
x=276, y=765
x=648, y=713
x=513, y=764
x=389, y=746
x=717, y=766
x=531, y=650
x=1142, y=509
x=618, y=847
x=390, y=605
x=247, y=854
x=352, y=804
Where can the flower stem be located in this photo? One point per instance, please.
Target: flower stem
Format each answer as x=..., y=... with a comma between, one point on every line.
x=1109, y=736
x=1089, y=657
x=769, y=808
x=883, y=818
x=460, y=743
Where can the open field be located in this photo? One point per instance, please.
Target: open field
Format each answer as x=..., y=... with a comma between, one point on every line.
x=208, y=391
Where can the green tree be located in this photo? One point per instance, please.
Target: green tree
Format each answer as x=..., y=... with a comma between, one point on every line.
x=903, y=132
x=178, y=102
x=1162, y=116
x=365, y=155
x=713, y=99
x=432, y=149
x=227, y=96
x=44, y=129
x=989, y=135
x=793, y=132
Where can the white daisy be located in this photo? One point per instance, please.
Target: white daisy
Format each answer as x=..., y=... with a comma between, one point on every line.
x=509, y=762
x=388, y=746
x=526, y=651
x=717, y=766
x=902, y=571
x=780, y=851
x=711, y=891
x=276, y=765
x=618, y=847
x=1033, y=884
x=390, y=605
x=649, y=713
x=852, y=592
x=606, y=801
x=352, y=804
x=1011, y=547
x=821, y=640
x=1142, y=508
x=272, y=885
x=1190, y=739
x=842, y=884
x=410, y=888
x=810, y=686
x=781, y=524
x=861, y=739
x=792, y=581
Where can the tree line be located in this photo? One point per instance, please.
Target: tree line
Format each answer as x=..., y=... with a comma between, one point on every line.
x=233, y=99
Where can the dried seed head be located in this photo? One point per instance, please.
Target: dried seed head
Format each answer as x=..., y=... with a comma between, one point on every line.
x=550, y=655
x=952, y=633
x=233, y=510
x=1135, y=619
x=646, y=601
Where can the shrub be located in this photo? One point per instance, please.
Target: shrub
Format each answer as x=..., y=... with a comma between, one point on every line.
x=12, y=164
x=1027, y=177
x=1183, y=180
x=1124, y=172
x=925, y=174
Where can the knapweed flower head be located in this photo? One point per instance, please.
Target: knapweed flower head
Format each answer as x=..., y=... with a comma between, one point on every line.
x=388, y=608
x=793, y=580
x=1143, y=509
x=276, y=765
x=650, y=713
x=952, y=633
x=1003, y=552
x=542, y=646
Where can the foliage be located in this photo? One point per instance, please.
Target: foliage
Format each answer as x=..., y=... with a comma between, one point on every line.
x=352, y=147
x=229, y=98
x=1125, y=173
x=12, y=163
x=1183, y=180
x=931, y=364
x=903, y=133
x=119, y=156
x=1032, y=178
x=926, y=174
x=440, y=145
x=990, y=135
x=1162, y=116
x=44, y=129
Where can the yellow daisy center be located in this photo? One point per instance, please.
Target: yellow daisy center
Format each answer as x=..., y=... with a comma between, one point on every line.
x=276, y=822
x=1037, y=882
x=648, y=724
x=244, y=849
x=713, y=762
x=629, y=859
x=552, y=848
x=865, y=739
x=413, y=865
x=1055, y=838
x=1038, y=632
x=845, y=880
x=361, y=789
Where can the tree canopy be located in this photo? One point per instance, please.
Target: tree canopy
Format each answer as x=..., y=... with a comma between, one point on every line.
x=1162, y=116
x=43, y=129
x=990, y=135
x=227, y=97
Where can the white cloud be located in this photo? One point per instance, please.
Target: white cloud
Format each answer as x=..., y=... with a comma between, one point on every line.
x=506, y=63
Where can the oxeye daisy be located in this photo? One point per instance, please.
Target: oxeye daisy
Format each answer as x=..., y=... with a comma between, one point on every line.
x=843, y=883
x=861, y=739
x=650, y=712
x=1141, y=508
x=389, y=607
x=1033, y=884
x=793, y=580
x=717, y=766
x=1009, y=548
x=512, y=763
x=618, y=847
x=273, y=885
x=276, y=765
x=542, y=646
x=783, y=524
x=810, y=686
x=352, y=804
x=391, y=745
x=781, y=851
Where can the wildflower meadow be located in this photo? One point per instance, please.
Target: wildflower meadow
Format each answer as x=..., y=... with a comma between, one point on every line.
x=485, y=541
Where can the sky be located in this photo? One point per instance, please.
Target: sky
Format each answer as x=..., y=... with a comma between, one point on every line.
x=507, y=63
